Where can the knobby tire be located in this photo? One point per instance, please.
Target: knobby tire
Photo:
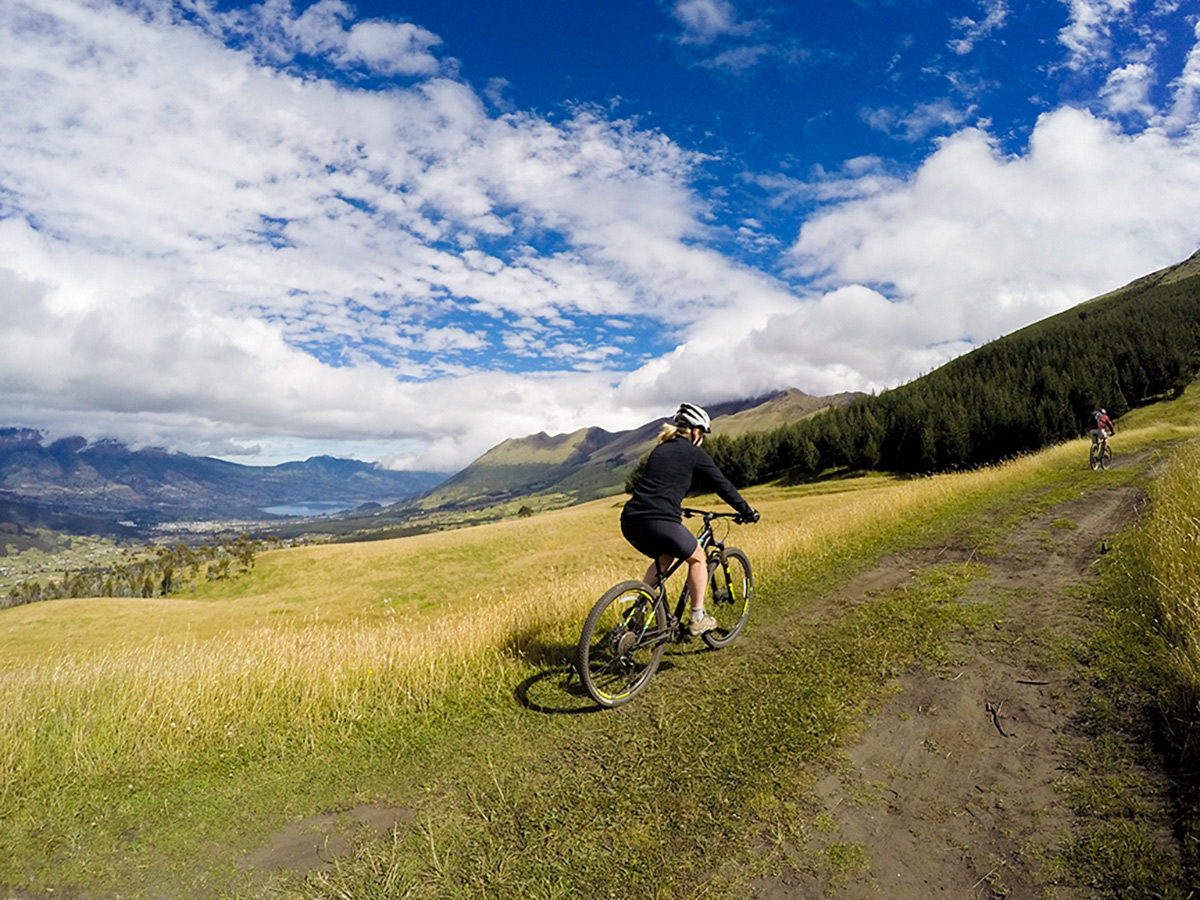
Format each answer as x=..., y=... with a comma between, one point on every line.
x=622, y=643
x=728, y=595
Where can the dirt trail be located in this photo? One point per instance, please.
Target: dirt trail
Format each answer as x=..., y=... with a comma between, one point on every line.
x=951, y=789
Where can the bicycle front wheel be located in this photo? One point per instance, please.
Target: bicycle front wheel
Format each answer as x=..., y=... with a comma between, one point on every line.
x=1105, y=457
x=622, y=643
x=728, y=595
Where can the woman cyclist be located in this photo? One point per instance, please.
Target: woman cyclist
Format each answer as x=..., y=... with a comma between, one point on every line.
x=652, y=520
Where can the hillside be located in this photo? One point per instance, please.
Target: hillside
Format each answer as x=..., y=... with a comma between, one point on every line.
x=591, y=463
x=107, y=481
x=784, y=408
x=1014, y=395
x=940, y=693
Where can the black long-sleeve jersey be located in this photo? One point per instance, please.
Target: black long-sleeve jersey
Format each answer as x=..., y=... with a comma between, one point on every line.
x=673, y=469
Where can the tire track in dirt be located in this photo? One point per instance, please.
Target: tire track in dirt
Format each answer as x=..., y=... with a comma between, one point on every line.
x=951, y=789
x=954, y=781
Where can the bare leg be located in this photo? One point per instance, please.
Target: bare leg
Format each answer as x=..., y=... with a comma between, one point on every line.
x=697, y=576
x=659, y=565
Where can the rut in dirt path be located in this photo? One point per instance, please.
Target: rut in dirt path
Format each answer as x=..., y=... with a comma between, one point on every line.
x=950, y=792
x=953, y=782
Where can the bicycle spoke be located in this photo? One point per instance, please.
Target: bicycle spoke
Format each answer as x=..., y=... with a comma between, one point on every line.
x=621, y=644
x=727, y=599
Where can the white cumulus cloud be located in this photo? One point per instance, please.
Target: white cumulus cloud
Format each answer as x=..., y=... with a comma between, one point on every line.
x=206, y=244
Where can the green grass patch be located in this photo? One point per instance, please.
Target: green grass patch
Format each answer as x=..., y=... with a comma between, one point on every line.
x=674, y=796
x=147, y=746
x=1143, y=715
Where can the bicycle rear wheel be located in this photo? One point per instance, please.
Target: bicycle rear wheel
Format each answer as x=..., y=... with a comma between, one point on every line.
x=622, y=643
x=728, y=595
x=1094, y=458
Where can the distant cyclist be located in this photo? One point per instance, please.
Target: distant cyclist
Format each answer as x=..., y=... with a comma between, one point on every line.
x=1102, y=427
x=652, y=520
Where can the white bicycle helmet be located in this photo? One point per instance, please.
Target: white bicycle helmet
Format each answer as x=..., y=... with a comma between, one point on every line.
x=692, y=416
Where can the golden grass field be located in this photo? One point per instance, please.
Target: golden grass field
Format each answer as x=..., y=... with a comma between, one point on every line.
x=360, y=624
x=317, y=638
x=1161, y=579
x=406, y=613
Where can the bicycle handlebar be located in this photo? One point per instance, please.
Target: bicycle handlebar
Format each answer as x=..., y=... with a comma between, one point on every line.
x=709, y=515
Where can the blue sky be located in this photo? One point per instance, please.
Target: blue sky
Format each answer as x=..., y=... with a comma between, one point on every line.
x=404, y=231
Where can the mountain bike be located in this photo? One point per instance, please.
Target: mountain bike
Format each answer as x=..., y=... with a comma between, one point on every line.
x=629, y=628
x=1100, y=456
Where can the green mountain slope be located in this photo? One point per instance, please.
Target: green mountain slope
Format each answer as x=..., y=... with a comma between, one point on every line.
x=592, y=462
x=782, y=409
x=1015, y=395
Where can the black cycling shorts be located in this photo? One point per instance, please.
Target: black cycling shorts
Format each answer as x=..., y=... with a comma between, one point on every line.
x=658, y=537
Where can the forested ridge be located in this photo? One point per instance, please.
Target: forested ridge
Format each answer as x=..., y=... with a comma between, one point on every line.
x=1016, y=394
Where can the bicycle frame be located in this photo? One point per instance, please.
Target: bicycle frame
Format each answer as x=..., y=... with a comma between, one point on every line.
x=708, y=541
x=629, y=627
x=1100, y=455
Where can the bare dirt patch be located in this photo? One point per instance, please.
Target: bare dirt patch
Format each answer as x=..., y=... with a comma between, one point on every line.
x=954, y=787
x=314, y=843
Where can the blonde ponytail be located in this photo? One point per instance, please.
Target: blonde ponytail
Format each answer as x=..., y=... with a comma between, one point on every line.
x=669, y=431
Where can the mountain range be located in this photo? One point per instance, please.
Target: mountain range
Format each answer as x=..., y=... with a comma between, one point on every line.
x=106, y=480
x=591, y=462
x=73, y=485
x=1036, y=385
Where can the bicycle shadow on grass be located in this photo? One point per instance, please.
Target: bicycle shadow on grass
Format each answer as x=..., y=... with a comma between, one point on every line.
x=556, y=688
x=559, y=692
x=555, y=692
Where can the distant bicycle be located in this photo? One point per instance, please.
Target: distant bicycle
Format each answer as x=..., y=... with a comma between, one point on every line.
x=628, y=629
x=1100, y=456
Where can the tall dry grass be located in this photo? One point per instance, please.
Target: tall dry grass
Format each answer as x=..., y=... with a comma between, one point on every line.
x=382, y=630
x=1159, y=576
